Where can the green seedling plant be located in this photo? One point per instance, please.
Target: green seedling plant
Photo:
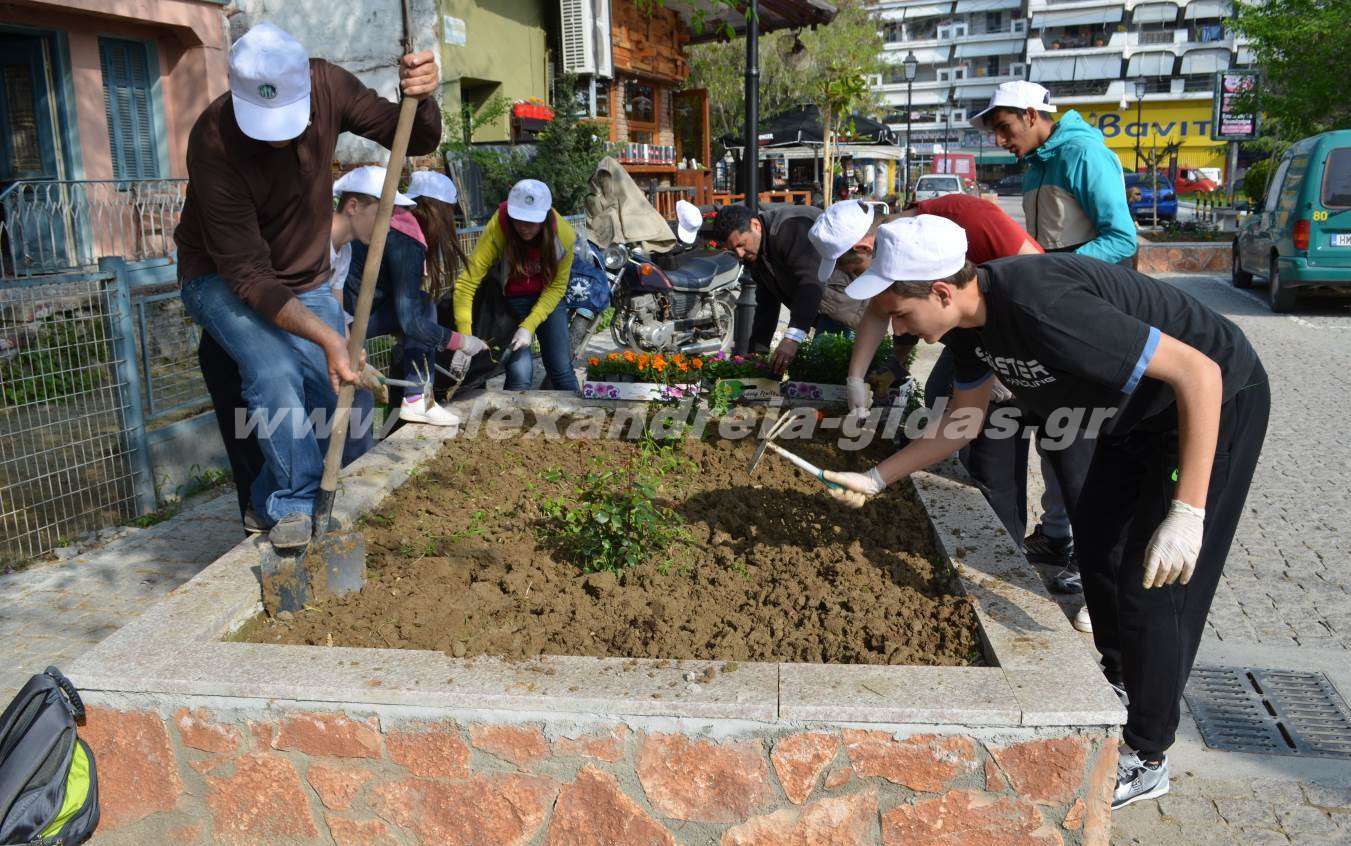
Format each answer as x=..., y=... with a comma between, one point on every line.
x=614, y=523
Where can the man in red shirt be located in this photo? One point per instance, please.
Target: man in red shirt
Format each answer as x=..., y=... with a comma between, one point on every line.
x=998, y=464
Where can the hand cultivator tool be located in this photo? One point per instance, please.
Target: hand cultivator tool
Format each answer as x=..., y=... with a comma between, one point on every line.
x=797, y=461
x=334, y=562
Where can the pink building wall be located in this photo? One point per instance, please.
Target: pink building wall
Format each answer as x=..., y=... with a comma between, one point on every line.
x=190, y=38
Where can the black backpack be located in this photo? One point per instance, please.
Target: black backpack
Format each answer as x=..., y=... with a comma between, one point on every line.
x=48, y=788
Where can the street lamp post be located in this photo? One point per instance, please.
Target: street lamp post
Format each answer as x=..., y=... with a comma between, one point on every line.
x=1139, y=124
x=910, y=66
x=947, y=130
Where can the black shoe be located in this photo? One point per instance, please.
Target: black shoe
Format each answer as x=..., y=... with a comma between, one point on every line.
x=1068, y=579
x=253, y=524
x=1043, y=550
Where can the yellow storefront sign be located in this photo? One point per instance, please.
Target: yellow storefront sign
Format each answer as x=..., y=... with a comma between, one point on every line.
x=1187, y=122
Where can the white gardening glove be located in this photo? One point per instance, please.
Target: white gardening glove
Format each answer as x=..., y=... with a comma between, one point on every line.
x=521, y=339
x=999, y=393
x=1172, y=551
x=471, y=346
x=860, y=396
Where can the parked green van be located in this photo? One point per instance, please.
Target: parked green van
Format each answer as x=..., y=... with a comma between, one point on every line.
x=1299, y=237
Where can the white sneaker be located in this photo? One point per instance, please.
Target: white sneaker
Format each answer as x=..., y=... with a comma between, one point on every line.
x=421, y=410
x=1082, y=622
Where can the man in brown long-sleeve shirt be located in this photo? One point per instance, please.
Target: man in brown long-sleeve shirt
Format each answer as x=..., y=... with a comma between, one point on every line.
x=253, y=244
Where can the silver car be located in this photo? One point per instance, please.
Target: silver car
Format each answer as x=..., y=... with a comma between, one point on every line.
x=937, y=185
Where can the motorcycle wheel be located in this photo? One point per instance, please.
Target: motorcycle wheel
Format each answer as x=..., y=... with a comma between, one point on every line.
x=580, y=330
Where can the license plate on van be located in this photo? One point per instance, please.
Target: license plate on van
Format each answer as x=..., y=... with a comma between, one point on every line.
x=1341, y=239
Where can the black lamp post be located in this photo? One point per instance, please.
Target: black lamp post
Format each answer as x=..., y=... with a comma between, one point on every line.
x=910, y=66
x=947, y=129
x=1139, y=122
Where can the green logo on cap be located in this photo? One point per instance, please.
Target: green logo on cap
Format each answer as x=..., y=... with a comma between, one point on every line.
x=267, y=91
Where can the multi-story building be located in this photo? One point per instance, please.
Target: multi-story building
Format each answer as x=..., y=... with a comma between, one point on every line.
x=964, y=49
x=1092, y=54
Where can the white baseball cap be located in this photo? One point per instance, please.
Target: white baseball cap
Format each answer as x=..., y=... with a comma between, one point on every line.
x=688, y=221
x=912, y=249
x=434, y=184
x=837, y=230
x=529, y=201
x=368, y=180
x=270, y=84
x=1015, y=95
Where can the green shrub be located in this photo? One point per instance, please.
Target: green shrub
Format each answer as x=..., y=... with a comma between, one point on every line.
x=615, y=522
x=825, y=359
x=1255, y=180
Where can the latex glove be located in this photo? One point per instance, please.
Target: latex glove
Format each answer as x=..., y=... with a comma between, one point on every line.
x=521, y=339
x=860, y=396
x=1172, y=551
x=998, y=392
x=472, y=346
x=857, y=487
x=783, y=356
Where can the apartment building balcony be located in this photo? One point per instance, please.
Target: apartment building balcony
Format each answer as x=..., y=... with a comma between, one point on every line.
x=1084, y=40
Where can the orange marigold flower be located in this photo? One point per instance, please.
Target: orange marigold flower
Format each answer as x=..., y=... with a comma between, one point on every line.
x=593, y=361
x=697, y=362
x=684, y=368
x=659, y=360
x=612, y=357
x=628, y=355
x=643, y=360
x=659, y=365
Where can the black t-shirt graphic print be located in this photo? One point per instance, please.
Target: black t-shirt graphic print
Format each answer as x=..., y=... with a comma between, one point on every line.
x=1064, y=331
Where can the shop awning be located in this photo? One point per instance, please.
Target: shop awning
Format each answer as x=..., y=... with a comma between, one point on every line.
x=989, y=48
x=995, y=157
x=1150, y=64
x=964, y=6
x=1078, y=17
x=1154, y=13
x=1205, y=61
x=779, y=15
x=910, y=13
x=1071, y=68
x=859, y=152
x=1207, y=9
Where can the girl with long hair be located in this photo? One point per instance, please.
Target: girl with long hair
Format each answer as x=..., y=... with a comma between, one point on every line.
x=530, y=244
x=403, y=306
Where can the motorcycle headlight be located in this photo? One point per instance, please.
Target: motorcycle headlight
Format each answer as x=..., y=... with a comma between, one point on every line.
x=616, y=255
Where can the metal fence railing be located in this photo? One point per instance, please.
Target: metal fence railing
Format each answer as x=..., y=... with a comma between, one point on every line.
x=72, y=450
x=53, y=226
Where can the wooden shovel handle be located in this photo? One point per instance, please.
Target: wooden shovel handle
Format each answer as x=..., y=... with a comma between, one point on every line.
x=357, y=341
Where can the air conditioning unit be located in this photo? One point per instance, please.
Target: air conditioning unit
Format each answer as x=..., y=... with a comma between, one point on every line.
x=1019, y=25
x=586, y=37
x=1018, y=69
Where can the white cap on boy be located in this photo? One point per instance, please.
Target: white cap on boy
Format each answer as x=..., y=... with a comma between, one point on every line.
x=837, y=230
x=434, y=184
x=922, y=248
x=529, y=201
x=369, y=180
x=270, y=84
x=1018, y=95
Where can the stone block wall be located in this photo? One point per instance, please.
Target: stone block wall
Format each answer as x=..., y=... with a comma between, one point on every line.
x=1182, y=258
x=201, y=776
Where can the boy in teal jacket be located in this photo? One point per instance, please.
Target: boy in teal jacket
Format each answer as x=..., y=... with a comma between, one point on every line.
x=1074, y=195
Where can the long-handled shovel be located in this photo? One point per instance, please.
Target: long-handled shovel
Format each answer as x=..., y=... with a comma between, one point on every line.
x=334, y=562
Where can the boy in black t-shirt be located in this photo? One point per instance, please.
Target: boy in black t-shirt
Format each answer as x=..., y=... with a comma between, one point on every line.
x=1177, y=400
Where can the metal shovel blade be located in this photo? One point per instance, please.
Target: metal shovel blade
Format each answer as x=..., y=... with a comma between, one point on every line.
x=332, y=564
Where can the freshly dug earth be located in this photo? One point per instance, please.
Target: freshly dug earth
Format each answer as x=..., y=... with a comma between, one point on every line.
x=773, y=569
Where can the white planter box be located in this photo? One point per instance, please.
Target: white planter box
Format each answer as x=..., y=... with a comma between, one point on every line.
x=817, y=391
x=641, y=391
x=748, y=389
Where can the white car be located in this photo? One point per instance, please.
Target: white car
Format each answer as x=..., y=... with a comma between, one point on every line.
x=937, y=185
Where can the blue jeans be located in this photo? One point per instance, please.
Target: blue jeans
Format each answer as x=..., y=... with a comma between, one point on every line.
x=284, y=379
x=554, y=348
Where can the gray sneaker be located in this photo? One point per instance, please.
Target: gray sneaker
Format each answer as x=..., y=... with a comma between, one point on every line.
x=1137, y=779
x=253, y=524
x=291, y=531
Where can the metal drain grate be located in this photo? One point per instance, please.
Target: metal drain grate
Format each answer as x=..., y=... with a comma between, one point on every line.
x=1274, y=712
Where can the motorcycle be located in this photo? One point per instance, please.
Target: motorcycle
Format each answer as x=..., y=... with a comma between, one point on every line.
x=683, y=302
